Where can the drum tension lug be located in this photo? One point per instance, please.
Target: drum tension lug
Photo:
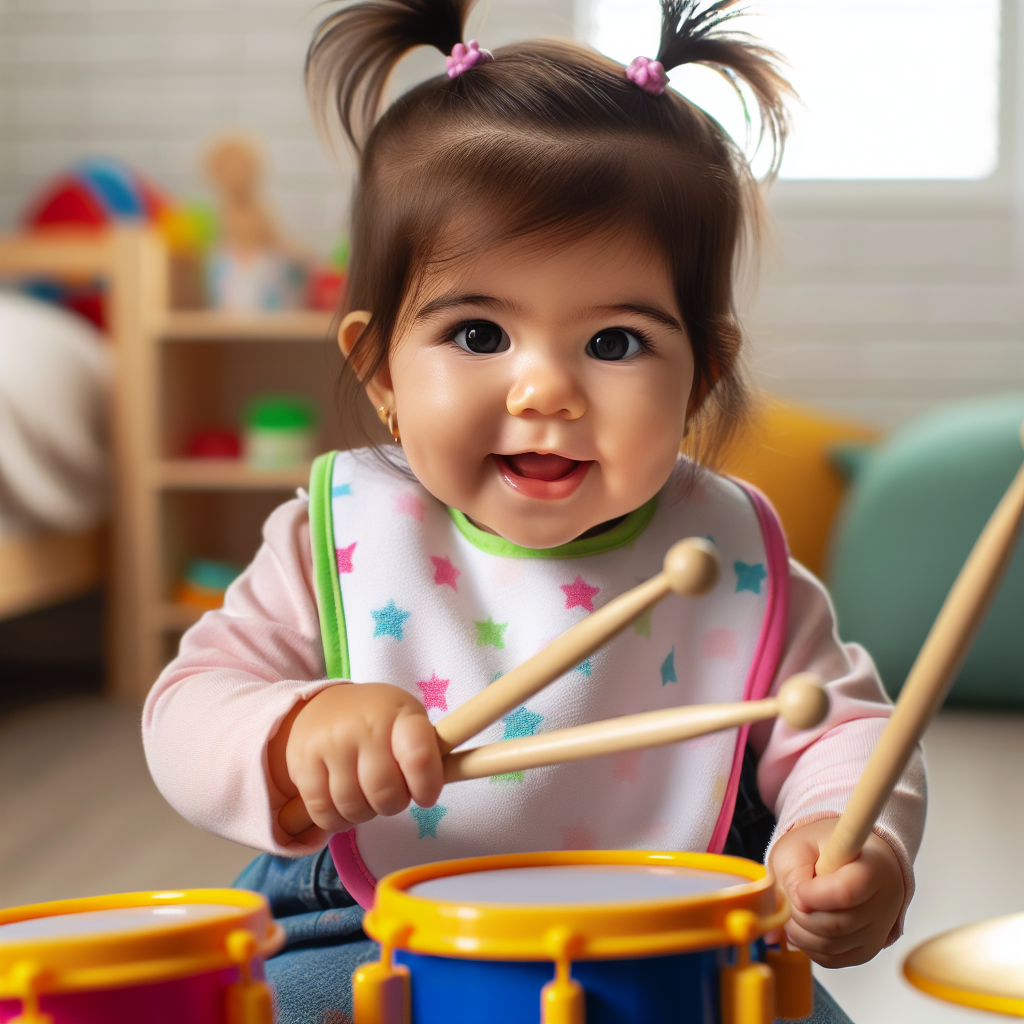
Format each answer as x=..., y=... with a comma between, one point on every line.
x=747, y=988
x=28, y=979
x=380, y=991
x=563, y=1000
x=248, y=1001
x=794, y=984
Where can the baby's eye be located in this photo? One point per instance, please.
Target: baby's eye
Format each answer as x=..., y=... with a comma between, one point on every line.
x=482, y=338
x=613, y=344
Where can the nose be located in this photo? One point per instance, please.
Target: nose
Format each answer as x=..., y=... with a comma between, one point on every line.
x=545, y=387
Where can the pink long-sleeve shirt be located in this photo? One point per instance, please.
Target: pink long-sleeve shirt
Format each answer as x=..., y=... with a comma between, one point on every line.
x=210, y=716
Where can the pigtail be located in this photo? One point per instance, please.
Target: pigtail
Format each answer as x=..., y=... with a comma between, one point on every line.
x=690, y=35
x=355, y=50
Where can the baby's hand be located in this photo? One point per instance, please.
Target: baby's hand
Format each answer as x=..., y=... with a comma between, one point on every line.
x=841, y=919
x=355, y=751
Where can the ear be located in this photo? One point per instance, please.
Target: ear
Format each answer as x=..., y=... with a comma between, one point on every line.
x=378, y=388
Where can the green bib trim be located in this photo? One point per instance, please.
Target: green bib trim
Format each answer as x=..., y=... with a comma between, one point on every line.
x=628, y=530
x=325, y=569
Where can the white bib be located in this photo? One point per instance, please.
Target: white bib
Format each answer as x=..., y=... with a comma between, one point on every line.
x=411, y=593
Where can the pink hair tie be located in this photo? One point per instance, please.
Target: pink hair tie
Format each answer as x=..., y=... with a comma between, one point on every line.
x=648, y=74
x=464, y=57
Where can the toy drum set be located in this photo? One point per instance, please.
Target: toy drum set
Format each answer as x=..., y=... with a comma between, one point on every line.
x=189, y=957
x=628, y=937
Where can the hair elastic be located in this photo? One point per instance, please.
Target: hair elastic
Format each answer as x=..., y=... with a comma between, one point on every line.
x=462, y=58
x=648, y=74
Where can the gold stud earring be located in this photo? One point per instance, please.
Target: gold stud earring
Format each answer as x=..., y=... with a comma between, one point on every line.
x=389, y=417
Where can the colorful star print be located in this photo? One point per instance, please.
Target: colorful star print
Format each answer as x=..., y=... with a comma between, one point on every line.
x=626, y=765
x=584, y=668
x=668, y=668
x=719, y=643
x=490, y=633
x=344, y=556
x=341, y=490
x=389, y=620
x=445, y=572
x=642, y=626
x=427, y=819
x=506, y=777
x=749, y=577
x=577, y=837
x=521, y=723
x=579, y=594
x=435, y=692
x=408, y=504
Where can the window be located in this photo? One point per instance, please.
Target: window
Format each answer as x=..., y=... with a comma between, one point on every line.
x=890, y=89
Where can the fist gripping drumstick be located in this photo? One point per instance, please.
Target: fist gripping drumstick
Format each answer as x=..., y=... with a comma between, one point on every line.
x=801, y=702
x=930, y=677
x=691, y=568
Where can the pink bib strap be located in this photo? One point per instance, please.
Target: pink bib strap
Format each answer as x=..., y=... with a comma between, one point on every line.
x=769, y=649
x=354, y=874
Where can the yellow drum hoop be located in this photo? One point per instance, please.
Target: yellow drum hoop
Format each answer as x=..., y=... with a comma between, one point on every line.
x=598, y=931
x=76, y=963
x=1006, y=1005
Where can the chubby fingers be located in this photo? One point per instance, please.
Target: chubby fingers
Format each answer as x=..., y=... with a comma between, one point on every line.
x=414, y=746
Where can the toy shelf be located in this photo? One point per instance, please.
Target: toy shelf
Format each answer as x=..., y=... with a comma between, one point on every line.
x=210, y=325
x=226, y=475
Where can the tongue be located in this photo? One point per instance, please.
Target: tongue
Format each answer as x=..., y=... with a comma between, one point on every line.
x=534, y=466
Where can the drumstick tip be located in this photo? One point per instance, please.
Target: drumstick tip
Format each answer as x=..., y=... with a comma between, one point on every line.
x=803, y=702
x=692, y=566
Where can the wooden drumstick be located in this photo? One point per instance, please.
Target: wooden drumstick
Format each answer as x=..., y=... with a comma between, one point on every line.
x=691, y=567
x=930, y=677
x=801, y=701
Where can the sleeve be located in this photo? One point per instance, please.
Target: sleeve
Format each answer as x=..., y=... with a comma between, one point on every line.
x=807, y=775
x=209, y=717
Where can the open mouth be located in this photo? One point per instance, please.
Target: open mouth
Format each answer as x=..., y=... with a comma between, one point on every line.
x=542, y=475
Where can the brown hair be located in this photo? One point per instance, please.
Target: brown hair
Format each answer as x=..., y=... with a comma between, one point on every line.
x=548, y=140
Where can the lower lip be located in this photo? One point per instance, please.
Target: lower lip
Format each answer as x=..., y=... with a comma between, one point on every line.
x=549, y=489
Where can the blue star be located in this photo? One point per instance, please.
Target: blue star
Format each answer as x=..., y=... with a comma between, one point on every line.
x=387, y=621
x=427, y=819
x=521, y=723
x=668, y=668
x=338, y=490
x=584, y=668
x=749, y=577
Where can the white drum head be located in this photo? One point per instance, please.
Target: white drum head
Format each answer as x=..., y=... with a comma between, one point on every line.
x=126, y=919
x=575, y=883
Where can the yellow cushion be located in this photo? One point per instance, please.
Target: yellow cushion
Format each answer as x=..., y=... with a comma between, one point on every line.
x=783, y=451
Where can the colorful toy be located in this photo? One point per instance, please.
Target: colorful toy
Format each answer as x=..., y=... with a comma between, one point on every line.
x=280, y=432
x=629, y=937
x=159, y=957
x=204, y=582
x=978, y=965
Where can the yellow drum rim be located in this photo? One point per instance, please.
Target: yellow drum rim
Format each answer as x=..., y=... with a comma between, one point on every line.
x=586, y=931
x=1005, y=1005
x=76, y=963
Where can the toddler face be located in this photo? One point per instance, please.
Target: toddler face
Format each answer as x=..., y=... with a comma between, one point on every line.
x=542, y=392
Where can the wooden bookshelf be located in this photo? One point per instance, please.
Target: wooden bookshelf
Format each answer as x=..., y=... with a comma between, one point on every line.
x=225, y=475
x=210, y=325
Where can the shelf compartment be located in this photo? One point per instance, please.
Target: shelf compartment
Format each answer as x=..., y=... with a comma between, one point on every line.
x=213, y=325
x=225, y=475
x=173, y=617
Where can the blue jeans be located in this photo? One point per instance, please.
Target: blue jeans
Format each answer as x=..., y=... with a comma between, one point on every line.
x=325, y=943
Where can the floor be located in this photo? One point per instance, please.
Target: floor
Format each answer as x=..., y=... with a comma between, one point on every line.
x=81, y=817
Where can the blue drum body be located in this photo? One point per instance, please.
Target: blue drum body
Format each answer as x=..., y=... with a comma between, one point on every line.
x=648, y=990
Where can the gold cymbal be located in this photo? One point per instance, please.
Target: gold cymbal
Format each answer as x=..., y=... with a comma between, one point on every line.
x=979, y=965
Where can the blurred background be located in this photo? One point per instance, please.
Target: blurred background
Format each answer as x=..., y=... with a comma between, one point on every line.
x=172, y=246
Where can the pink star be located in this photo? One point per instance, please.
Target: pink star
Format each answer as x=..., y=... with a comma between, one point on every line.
x=580, y=594
x=445, y=572
x=577, y=837
x=345, y=557
x=719, y=643
x=626, y=765
x=434, y=692
x=408, y=504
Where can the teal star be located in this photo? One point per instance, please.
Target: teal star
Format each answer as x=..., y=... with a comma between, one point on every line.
x=490, y=633
x=749, y=577
x=339, y=490
x=521, y=723
x=584, y=668
x=668, y=668
x=427, y=819
x=388, y=621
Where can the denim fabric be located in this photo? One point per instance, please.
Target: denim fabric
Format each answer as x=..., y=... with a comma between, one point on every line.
x=325, y=943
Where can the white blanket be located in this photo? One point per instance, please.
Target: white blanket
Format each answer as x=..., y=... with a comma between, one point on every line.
x=54, y=382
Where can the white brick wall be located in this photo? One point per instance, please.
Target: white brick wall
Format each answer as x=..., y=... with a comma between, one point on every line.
x=878, y=310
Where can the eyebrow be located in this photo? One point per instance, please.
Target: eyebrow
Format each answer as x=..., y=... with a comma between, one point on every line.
x=655, y=313
x=451, y=300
